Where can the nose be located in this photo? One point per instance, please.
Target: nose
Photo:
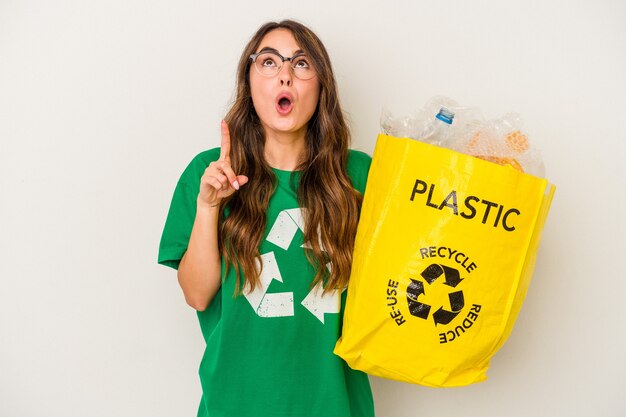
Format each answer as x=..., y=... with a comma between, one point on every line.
x=285, y=75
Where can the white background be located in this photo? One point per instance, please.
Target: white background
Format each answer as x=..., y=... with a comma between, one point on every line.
x=103, y=103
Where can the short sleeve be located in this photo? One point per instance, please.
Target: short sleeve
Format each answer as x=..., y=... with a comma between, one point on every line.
x=358, y=169
x=182, y=211
x=178, y=225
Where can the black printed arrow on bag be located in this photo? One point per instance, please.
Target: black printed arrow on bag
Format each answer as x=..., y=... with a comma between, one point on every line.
x=430, y=275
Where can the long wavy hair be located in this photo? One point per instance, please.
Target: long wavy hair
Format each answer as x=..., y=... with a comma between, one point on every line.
x=325, y=190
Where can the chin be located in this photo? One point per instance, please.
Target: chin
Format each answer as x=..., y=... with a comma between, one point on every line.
x=285, y=126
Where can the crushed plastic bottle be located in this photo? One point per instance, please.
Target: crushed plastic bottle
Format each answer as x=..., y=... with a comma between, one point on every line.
x=502, y=141
x=439, y=131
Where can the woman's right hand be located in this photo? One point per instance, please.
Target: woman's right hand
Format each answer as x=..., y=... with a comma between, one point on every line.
x=219, y=179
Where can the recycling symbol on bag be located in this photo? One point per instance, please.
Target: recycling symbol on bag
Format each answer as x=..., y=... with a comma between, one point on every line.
x=431, y=274
x=281, y=304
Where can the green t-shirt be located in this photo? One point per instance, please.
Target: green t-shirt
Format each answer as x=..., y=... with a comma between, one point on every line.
x=270, y=353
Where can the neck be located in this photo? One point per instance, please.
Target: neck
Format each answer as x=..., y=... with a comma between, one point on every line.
x=284, y=150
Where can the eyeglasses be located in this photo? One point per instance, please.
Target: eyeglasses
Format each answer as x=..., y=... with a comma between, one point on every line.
x=269, y=64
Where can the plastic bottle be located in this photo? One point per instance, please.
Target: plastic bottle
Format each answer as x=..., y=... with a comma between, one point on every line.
x=439, y=131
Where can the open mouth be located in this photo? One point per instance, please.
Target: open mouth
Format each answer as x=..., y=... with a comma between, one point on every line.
x=284, y=105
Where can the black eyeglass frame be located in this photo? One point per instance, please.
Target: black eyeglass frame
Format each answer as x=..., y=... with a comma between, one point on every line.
x=253, y=57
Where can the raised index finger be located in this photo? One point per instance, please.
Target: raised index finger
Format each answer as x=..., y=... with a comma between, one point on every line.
x=225, y=147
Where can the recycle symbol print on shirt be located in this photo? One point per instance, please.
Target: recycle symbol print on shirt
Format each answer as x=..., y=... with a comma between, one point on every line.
x=281, y=304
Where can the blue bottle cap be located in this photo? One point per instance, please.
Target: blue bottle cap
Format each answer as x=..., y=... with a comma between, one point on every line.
x=445, y=115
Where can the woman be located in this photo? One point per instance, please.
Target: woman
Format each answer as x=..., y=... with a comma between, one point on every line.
x=262, y=230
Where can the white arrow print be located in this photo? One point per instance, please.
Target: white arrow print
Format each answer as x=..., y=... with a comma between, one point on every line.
x=285, y=227
x=319, y=304
x=278, y=304
x=281, y=304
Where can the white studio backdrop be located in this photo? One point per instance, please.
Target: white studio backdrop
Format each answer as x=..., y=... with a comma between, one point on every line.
x=103, y=103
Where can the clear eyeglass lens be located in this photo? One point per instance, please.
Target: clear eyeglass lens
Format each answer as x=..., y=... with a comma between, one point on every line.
x=269, y=64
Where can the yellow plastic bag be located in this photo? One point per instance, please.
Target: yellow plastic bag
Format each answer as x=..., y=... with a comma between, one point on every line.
x=443, y=257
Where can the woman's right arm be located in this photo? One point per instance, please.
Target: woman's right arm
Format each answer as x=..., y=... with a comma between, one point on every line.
x=200, y=269
x=199, y=272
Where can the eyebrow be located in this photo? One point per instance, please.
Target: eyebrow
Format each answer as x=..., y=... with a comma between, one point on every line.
x=269, y=49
